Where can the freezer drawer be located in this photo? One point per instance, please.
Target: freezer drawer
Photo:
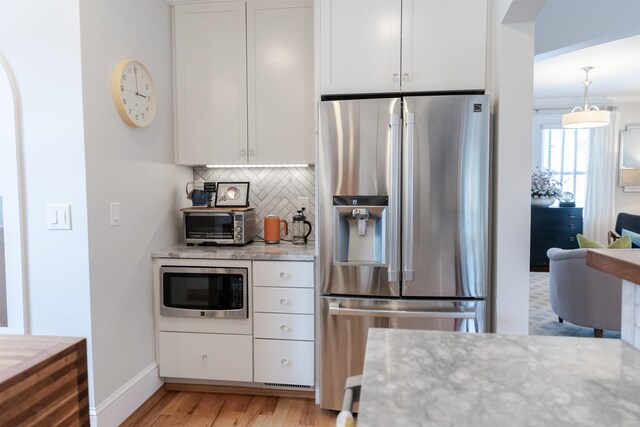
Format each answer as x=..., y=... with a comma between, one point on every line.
x=346, y=321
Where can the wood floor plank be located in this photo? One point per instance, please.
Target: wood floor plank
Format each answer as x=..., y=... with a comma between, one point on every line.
x=201, y=409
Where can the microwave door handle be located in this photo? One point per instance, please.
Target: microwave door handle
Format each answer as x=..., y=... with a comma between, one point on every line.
x=336, y=310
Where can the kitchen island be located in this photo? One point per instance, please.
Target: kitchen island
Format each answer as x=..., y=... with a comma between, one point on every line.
x=431, y=378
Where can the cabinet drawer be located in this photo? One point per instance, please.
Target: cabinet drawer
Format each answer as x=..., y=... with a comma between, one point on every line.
x=558, y=226
x=283, y=273
x=205, y=356
x=556, y=214
x=284, y=362
x=283, y=300
x=283, y=326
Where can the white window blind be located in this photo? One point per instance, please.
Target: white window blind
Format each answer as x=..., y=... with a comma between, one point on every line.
x=565, y=152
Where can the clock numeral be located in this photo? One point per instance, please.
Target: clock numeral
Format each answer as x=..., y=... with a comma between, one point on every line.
x=136, y=117
x=121, y=88
x=129, y=110
x=135, y=69
x=146, y=86
x=124, y=101
x=147, y=108
x=124, y=77
x=149, y=97
x=143, y=115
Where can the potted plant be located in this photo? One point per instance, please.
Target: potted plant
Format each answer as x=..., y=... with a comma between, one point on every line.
x=544, y=189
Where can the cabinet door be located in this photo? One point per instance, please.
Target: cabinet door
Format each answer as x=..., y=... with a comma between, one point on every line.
x=205, y=356
x=280, y=81
x=360, y=46
x=210, y=83
x=443, y=45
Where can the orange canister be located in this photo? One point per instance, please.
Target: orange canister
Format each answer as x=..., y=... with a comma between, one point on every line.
x=272, y=229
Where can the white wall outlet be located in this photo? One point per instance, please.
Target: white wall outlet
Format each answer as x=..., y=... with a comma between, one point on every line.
x=115, y=214
x=303, y=202
x=59, y=217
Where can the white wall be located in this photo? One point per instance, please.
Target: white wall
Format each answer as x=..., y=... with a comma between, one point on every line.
x=41, y=42
x=567, y=25
x=134, y=167
x=510, y=83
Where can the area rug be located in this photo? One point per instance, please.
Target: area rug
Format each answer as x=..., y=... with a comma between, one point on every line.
x=542, y=319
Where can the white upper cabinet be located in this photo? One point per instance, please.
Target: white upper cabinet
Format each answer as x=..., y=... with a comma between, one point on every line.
x=210, y=83
x=371, y=46
x=360, y=46
x=244, y=82
x=280, y=81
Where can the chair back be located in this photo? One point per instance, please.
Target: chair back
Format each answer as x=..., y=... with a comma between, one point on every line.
x=628, y=222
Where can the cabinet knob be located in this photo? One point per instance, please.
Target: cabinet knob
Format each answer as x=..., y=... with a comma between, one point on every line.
x=572, y=215
x=405, y=77
x=252, y=153
x=284, y=328
x=243, y=152
x=284, y=301
x=284, y=275
x=572, y=226
x=394, y=77
x=285, y=362
x=572, y=239
x=204, y=357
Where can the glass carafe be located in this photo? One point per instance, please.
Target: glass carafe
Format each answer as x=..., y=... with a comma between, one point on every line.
x=299, y=231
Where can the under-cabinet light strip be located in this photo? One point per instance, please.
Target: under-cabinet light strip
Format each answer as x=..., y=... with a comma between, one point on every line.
x=284, y=165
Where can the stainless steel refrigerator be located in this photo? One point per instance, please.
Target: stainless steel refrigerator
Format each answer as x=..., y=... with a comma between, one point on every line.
x=403, y=217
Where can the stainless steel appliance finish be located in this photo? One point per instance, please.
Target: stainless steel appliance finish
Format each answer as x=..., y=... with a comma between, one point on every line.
x=430, y=156
x=204, y=292
x=219, y=226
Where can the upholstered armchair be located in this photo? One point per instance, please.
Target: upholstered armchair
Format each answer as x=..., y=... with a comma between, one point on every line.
x=582, y=295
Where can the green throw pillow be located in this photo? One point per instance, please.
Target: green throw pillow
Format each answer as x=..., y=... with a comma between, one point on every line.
x=621, y=243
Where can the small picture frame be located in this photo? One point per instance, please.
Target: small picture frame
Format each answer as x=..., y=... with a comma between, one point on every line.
x=232, y=195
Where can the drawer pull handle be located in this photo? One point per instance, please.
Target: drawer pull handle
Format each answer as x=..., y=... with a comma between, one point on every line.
x=572, y=226
x=204, y=357
x=572, y=239
x=285, y=362
x=284, y=328
x=284, y=275
x=572, y=215
x=284, y=301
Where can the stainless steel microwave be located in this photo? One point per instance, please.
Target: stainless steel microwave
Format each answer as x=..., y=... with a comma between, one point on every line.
x=219, y=226
x=204, y=292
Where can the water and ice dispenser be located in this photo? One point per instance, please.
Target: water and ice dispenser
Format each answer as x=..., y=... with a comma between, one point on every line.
x=360, y=230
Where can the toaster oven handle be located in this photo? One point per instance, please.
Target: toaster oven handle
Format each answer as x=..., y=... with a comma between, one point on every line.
x=211, y=214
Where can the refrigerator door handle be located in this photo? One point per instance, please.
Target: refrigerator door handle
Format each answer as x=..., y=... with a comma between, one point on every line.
x=336, y=310
x=394, y=199
x=408, y=198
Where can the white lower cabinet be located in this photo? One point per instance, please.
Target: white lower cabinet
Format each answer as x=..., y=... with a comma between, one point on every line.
x=283, y=362
x=283, y=323
x=205, y=356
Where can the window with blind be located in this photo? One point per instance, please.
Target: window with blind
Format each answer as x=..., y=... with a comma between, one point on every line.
x=565, y=152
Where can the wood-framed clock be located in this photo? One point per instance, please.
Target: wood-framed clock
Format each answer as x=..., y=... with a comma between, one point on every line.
x=134, y=93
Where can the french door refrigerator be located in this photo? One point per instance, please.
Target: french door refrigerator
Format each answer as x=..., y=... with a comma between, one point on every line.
x=403, y=187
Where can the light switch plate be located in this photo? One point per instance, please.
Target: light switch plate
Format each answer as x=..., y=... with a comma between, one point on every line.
x=115, y=214
x=59, y=217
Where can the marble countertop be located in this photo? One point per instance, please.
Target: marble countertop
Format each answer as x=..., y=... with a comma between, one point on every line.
x=622, y=263
x=283, y=251
x=431, y=378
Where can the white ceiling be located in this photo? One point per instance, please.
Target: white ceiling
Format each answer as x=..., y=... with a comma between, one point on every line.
x=616, y=71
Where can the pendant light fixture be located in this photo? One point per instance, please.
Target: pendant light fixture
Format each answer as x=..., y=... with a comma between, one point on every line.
x=588, y=116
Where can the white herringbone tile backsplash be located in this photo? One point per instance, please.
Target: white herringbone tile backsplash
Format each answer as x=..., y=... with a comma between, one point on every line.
x=272, y=190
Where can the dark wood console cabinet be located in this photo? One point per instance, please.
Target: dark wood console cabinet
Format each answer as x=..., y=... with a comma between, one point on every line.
x=552, y=228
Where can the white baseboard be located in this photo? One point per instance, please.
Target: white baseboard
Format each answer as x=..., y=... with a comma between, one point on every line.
x=117, y=407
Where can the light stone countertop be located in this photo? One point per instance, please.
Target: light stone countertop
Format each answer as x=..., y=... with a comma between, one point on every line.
x=430, y=378
x=283, y=251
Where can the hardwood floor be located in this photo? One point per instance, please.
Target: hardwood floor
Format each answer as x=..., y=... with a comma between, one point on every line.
x=185, y=408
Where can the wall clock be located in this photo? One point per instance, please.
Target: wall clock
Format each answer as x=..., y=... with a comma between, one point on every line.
x=134, y=93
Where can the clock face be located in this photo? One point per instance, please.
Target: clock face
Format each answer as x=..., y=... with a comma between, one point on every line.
x=134, y=93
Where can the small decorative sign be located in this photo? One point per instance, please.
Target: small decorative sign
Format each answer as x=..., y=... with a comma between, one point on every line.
x=210, y=187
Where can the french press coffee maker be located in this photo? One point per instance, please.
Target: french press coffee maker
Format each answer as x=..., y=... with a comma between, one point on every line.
x=298, y=233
